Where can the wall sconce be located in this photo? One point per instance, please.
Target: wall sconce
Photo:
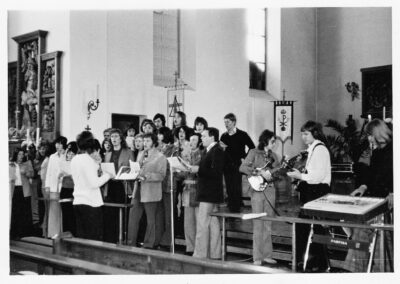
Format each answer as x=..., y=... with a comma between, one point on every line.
x=93, y=106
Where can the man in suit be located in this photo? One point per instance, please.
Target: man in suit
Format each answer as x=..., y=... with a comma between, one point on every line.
x=210, y=194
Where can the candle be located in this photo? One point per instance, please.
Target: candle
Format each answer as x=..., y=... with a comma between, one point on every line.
x=384, y=113
x=97, y=91
x=369, y=117
x=37, y=136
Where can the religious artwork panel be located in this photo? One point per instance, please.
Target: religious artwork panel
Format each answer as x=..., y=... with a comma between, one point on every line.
x=12, y=100
x=49, y=75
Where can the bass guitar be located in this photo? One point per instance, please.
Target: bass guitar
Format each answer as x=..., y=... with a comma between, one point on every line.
x=259, y=183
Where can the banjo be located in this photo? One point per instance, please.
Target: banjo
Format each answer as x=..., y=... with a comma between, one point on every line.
x=259, y=183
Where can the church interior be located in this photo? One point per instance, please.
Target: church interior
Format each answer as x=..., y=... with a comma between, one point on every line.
x=72, y=72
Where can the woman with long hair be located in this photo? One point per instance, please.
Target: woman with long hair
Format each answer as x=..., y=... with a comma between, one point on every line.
x=115, y=191
x=152, y=173
x=21, y=215
x=67, y=189
x=167, y=148
x=260, y=161
x=200, y=124
x=378, y=183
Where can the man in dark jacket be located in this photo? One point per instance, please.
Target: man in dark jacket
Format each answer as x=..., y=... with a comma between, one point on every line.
x=210, y=194
x=234, y=141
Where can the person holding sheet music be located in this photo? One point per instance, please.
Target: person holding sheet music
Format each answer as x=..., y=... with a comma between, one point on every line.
x=88, y=201
x=260, y=161
x=167, y=148
x=20, y=193
x=315, y=183
x=152, y=173
x=210, y=193
x=114, y=190
x=52, y=186
x=136, y=220
x=189, y=194
x=378, y=183
x=67, y=189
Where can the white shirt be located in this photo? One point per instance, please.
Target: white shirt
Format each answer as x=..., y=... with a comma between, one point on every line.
x=53, y=170
x=87, y=183
x=318, y=164
x=18, y=181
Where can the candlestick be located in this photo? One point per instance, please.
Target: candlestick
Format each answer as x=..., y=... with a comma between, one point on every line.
x=384, y=113
x=37, y=136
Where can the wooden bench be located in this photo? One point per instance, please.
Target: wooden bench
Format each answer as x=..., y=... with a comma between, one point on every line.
x=150, y=261
x=48, y=263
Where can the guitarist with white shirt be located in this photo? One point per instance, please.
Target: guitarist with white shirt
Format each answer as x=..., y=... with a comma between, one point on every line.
x=315, y=183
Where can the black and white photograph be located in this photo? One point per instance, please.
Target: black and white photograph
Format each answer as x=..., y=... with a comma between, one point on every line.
x=258, y=138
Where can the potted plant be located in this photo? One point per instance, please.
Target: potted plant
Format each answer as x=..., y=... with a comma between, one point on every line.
x=349, y=144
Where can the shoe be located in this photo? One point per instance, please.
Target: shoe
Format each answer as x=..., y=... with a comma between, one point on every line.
x=257, y=262
x=269, y=260
x=163, y=248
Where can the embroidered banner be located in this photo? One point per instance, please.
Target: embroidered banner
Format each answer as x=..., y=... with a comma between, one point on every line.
x=283, y=116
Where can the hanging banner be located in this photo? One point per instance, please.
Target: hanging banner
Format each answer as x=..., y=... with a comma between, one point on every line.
x=283, y=117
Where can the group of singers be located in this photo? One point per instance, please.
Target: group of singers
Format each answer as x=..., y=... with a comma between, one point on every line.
x=75, y=173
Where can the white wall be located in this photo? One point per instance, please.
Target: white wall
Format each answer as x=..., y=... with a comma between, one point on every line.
x=299, y=68
x=349, y=39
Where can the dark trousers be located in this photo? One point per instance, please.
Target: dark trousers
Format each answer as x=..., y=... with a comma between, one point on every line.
x=21, y=215
x=317, y=252
x=89, y=222
x=233, y=182
x=67, y=209
x=41, y=206
x=116, y=194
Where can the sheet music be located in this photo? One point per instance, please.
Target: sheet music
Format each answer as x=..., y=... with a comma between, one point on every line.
x=176, y=164
x=135, y=166
x=253, y=215
x=126, y=173
x=108, y=167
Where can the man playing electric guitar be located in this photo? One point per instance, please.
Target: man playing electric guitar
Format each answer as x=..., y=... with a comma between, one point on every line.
x=261, y=161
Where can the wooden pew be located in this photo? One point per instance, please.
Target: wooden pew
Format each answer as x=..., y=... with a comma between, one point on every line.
x=42, y=262
x=150, y=261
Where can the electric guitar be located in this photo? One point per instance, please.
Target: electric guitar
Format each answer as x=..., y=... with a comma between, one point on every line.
x=259, y=183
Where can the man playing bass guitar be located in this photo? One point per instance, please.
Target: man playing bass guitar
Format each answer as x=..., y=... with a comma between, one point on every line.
x=261, y=161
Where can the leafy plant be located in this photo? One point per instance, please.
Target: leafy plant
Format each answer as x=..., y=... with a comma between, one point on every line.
x=349, y=144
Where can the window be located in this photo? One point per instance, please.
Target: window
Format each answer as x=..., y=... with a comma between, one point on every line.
x=165, y=47
x=256, y=47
